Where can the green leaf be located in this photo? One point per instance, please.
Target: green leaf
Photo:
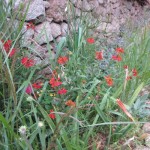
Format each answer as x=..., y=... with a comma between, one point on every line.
x=135, y=94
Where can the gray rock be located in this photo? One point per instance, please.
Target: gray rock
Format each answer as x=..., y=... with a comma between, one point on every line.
x=86, y=6
x=36, y=8
x=147, y=140
x=100, y=1
x=93, y=4
x=142, y=148
x=73, y=1
x=64, y=29
x=57, y=10
x=77, y=12
x=55, y=29
x=43, y=33
x=46, y=4
x=26, y=38
x=39, y=51
x=83, y=5
x=146, y=128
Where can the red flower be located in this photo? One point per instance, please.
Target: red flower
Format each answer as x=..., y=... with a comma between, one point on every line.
x=27, y=62
x=134, y=72
x=122, y=106
x=70, y=103
x=90, y=40
x=29, y=89
x=99, y=55
x=117, y=57
x=62, y=91
x=119, y=50
x=37, y=85
x=7, y=45
x=55, y=82
x=52, y=115
x=109, y=80
x=62, y=60
x=13, y=51
x=30, y=25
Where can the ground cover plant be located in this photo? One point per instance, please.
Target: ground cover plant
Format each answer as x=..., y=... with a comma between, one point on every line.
x=90, y=100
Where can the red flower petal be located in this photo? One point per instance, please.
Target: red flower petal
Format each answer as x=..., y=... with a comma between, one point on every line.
x=134, y=72
x=90, y=40
x=13, y=51
x=117, y=57
x=55, y=82
x=7, y=45
x=62, y=60
x=119, y=50
x=52, y=115
x=62, y=91
x=27, y=62
x=99, y=55
x=70, y=103
x=109, y=80
x=37, y=85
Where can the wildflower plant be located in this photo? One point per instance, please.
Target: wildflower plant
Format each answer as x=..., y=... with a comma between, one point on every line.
x=78, y=98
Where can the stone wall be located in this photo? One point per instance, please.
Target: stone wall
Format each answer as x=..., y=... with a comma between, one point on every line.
x=49, y=18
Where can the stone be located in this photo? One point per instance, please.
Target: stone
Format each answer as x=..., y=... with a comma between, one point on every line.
x=73, y=1
x=101, y=27
x=142, y=148
x=83, y=5
x=98, y=12
x=147, y=140
x=113, y=27
x=64, y=29
x=49, y=20
x=57, y=10
x=58, y=39
x=93, y=4
x=86, y=6
x=100, y=1
x=78, y=12
x=43, y=33
x=46, y=4
x=39, y=51
x=55, y=29
x=146, y=128
x=37, y=60
x=27, y=36
x=113, y=1
x=36, y=8
x=78, y=4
